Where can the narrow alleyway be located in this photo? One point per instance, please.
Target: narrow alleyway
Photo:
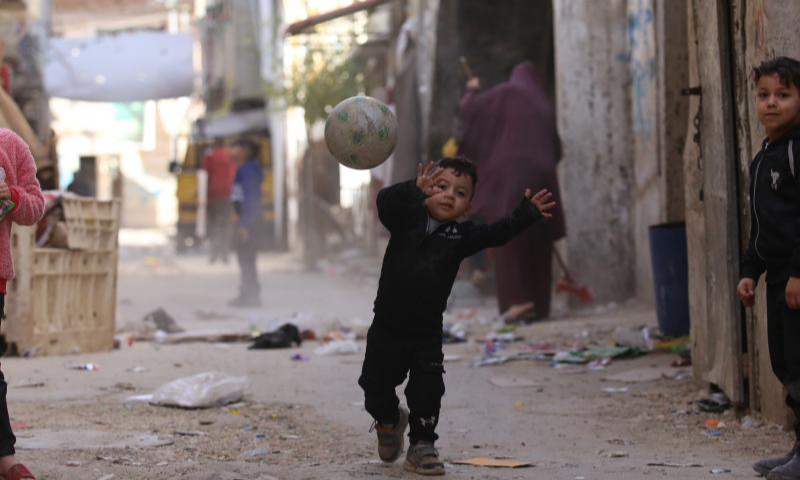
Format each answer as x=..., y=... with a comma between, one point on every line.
x=305, y=419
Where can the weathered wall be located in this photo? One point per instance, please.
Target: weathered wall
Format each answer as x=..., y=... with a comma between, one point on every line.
x=648, y=173
x=659, y=70
x=592, y=73
x=427, y=13
x=732, y=37
x=628, y=61
x=674, y=114
x=717, y=336
x=762, y=29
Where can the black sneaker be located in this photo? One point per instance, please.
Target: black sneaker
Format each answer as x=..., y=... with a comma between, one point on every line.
x=391, y=438
x=763, y=467
x=423, y=458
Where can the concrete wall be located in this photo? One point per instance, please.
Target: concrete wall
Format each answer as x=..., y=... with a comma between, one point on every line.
x=672, y=36
x=648, y=172
x=427, y=13
x=597, y=171
x=657, y=39
x=620, y=68
x=733, y=36
x=762, y=29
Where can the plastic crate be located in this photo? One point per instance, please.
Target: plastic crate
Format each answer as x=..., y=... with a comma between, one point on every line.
x=91, y=224
x=64, y=301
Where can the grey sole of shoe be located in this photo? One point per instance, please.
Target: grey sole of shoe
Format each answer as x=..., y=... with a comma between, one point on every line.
x=392, y=460
x=421, y=471
x=762, y=472
x=396, y=457
x=772, y=476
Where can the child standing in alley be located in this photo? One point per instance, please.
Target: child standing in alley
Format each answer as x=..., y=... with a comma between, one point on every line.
x=427, y=245
x=774, y=245
x=21, y=201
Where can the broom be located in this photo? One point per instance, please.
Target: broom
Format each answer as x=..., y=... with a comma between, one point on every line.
x=568, y=285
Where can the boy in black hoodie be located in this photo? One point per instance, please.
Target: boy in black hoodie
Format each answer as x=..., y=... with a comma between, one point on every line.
x=774, y=245
x=426, y=247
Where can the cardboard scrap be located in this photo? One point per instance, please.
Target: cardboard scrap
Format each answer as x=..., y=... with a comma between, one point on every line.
x=494, y=462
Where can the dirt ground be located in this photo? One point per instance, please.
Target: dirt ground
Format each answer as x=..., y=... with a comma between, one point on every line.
x=305, y=419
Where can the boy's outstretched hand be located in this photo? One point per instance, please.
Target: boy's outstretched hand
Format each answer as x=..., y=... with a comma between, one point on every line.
x=542, y=200
x=427, y=175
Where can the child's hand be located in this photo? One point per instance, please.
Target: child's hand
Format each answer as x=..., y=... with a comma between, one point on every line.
x=793, y=293
x=5, y=192
x=474, y=83
x=746, y=290
x=542, y=200
x=427, y=176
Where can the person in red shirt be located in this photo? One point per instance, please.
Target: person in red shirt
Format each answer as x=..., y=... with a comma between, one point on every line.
x=221, y=171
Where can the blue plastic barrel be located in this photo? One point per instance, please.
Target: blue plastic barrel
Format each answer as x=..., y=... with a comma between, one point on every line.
x=670, y=261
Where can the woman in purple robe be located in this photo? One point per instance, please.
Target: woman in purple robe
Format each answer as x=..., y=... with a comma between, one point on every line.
x=510, y=132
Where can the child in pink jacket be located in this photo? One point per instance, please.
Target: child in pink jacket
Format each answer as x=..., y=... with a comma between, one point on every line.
x=17, y=183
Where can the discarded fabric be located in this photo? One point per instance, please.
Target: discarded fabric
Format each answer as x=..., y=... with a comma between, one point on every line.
x=283, y=337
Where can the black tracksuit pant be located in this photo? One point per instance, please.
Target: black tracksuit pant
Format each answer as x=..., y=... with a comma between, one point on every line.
x=247, y=256
x=783, y=325
x=391, y=355
x=7, y=438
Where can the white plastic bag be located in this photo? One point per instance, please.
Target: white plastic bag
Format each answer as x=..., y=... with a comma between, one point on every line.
x=338, y=347
x=634, y=337
x=205, y=390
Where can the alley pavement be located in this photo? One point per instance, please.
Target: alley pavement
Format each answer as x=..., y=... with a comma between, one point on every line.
x=303, y=416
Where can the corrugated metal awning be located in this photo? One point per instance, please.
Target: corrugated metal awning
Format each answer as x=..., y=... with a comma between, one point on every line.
x=124, y=67
x=234, y=123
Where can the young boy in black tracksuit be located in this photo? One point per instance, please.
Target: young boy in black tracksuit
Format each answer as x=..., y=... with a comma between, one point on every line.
x=427, y=245
x=774, y=245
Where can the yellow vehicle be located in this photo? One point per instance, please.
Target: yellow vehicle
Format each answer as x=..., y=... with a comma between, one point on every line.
x=191, y=230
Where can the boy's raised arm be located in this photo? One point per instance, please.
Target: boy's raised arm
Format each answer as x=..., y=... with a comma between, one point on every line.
x=530, y=209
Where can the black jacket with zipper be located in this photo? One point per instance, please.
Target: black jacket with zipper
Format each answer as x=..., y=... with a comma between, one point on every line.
x=774, y=244
x=419, y=268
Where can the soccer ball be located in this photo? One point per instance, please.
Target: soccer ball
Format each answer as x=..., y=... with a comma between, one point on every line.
x=361, y=132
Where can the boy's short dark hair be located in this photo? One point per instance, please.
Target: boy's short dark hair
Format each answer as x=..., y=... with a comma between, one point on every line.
x=462, y=166
x=253, y=148
x=787, y=69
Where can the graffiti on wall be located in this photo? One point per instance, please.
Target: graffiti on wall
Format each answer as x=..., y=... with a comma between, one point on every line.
x=641, y=57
